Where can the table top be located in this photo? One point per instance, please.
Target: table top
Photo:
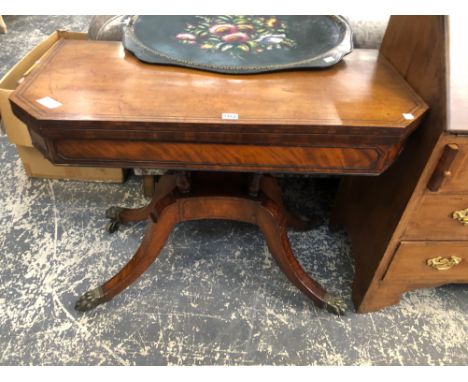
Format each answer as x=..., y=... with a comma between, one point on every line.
x=100, y=81
x=94, y=103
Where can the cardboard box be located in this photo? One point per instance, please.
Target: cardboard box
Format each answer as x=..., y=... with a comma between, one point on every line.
x=34, y=163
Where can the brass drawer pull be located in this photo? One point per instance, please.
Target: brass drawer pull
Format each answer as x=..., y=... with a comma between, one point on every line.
x=461, y=216
x=443, y=263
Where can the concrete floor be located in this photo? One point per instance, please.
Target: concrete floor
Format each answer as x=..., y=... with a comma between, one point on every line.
x=213, y=297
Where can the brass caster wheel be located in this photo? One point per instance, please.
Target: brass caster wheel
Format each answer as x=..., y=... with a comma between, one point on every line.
x=113, y=213
x=90, y=300
x=112, y=226
x=334, y=304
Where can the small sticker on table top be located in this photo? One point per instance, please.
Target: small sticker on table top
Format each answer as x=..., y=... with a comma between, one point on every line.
x=229, y=116
x=329, y=59
x=49, y=102
x=408, y=116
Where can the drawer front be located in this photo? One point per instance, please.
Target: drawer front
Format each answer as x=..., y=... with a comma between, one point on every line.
x=443, y=262
x=228, y=157
x=433, y=218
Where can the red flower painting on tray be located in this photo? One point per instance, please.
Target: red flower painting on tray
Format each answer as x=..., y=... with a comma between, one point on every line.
x=237, y=35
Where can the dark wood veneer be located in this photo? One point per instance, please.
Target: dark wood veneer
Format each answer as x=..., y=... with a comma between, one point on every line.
x=120, y=153
x=347, y=119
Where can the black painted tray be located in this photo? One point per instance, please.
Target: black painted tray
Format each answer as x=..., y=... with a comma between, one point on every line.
x=239, y=44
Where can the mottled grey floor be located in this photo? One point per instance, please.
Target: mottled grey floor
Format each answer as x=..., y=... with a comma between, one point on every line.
x=213, y=297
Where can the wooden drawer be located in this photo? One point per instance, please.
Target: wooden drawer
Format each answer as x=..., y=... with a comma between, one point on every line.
x=410, y=262
x=432, y=218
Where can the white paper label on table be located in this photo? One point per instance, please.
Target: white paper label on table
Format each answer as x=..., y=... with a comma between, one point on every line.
x=49, y=102
x=229, y=116
x=408, y=116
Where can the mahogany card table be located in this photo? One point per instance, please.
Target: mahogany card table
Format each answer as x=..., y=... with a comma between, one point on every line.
x=221, y=138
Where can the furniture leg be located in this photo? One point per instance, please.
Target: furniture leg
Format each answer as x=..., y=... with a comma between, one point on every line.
x=212, y=196
x=148, y=185
x=341, y=205
x=273, y=224
x=151, y=246
x=254, y=184
x=120, y=215
x=377, y=298
x=270, y=187
x=182, y=179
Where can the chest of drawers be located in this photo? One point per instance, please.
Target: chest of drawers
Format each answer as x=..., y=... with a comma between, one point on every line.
x=408, y=227
x=433, y=246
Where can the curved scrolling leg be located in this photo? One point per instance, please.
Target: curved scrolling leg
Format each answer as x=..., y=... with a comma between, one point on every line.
x=151, y=246
x=272, y=190
x=272, y=222
x=120, y=215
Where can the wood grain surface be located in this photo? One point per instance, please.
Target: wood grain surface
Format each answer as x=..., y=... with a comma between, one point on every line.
x=457, y=180
x=98, y=80
x=410, y=262
x=114, y=110
x=432, y=218
x=443, y=171
x=375, y=211
x=364, y=160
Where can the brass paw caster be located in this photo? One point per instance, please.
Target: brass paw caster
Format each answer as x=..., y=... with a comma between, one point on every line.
x=113, y=213
x=112, y=226
x=90, y=300
x=334, y=304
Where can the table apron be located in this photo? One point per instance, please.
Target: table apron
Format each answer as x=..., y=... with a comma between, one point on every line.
x=224, y=157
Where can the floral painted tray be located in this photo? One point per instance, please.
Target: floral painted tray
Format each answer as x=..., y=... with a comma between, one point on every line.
x=239, y=44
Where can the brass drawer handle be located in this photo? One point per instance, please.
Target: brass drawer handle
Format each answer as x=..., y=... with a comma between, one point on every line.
x=443, y=263
x=461, y=216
